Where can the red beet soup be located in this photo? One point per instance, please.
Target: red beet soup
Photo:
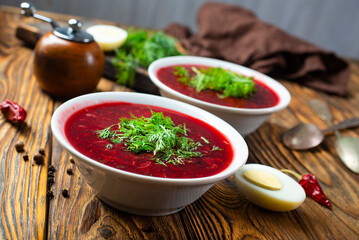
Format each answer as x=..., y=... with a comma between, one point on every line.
x=263, y=98
x=81, y=127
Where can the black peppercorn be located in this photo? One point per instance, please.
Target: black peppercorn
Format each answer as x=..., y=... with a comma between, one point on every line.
x=19, y=146
x=25, y=157
x=50, y=180
x=52, y=168
x=65, y=193
x=42, y=151
x=50, y=194
x=39, y=159
x=69, y=171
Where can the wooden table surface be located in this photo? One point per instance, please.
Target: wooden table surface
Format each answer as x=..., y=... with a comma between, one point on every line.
x=221, y=213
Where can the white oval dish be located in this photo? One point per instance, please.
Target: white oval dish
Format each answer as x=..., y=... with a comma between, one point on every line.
x=139, y=194
x=242, y=119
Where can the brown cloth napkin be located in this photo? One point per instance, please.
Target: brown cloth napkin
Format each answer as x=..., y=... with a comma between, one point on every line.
x=235, y=34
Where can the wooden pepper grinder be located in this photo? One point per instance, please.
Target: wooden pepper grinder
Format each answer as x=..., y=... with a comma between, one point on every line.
x=68, y=62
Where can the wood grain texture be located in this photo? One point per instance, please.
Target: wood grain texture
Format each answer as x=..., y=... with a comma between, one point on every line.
x=22, y=195
x=23, y=185
x=221, y=213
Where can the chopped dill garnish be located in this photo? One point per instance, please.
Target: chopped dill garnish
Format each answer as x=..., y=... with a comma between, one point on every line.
x=157, y=134
x=109, y=146
x=205, y=140
x=227, y=83
x=216, y=148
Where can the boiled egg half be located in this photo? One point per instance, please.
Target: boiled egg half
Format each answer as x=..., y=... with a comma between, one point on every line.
x=269, y=188
x=107, y=36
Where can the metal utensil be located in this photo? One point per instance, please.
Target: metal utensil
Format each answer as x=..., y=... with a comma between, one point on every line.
x=307, y=135
x=347, y=147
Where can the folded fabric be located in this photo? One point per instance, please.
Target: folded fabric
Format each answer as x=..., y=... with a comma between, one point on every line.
x=235, y=34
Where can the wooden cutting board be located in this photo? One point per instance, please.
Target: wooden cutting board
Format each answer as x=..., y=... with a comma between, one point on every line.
x=30, y=30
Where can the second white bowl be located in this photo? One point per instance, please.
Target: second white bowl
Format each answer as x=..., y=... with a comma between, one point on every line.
x=243, y=120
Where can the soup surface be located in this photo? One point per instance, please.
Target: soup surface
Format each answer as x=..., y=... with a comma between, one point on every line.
x=264, y=97
x=81, y=127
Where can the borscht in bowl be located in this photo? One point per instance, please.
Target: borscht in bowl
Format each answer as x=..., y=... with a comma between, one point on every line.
x=241, y=96
x=148, y=140
x=146, y=154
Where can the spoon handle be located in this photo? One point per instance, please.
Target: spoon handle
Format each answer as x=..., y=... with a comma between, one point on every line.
x=347, y=123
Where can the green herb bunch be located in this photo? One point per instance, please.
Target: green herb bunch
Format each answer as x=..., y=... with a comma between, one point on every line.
x=226, y=82
x=140, y=50
x=157, y=134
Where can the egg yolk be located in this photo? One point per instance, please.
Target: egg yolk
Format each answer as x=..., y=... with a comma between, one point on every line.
x=263, y=179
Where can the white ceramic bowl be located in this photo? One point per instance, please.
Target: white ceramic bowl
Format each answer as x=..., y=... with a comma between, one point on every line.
x=242, y=119
x=139, y=194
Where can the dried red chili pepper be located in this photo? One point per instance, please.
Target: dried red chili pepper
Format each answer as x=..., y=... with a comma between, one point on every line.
x=311, y=187
x=13, y=111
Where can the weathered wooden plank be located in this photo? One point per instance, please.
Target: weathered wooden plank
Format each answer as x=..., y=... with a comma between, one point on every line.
x=23, y=184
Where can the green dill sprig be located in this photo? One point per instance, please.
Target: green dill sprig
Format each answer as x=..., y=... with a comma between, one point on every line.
x=157, y=134
x=140, y=50
x=227, y=83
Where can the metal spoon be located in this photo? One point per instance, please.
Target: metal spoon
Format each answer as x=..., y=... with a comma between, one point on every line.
x=346, y=147
x=306, y=135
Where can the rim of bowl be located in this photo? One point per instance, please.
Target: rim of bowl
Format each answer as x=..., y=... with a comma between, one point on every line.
x=239, y=146
x=279, y=89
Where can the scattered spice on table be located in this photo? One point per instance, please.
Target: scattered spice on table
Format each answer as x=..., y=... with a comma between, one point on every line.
x=50, y=180
x=52, y=168
x=311, y=187
x=42, y=151
x=25, y=157
x=72, y=160
x=13, y=112
x=51, y=173
x=50, y=194
x=69, y=171
x=19, y=146
x=65, y=193
x=39, y=159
